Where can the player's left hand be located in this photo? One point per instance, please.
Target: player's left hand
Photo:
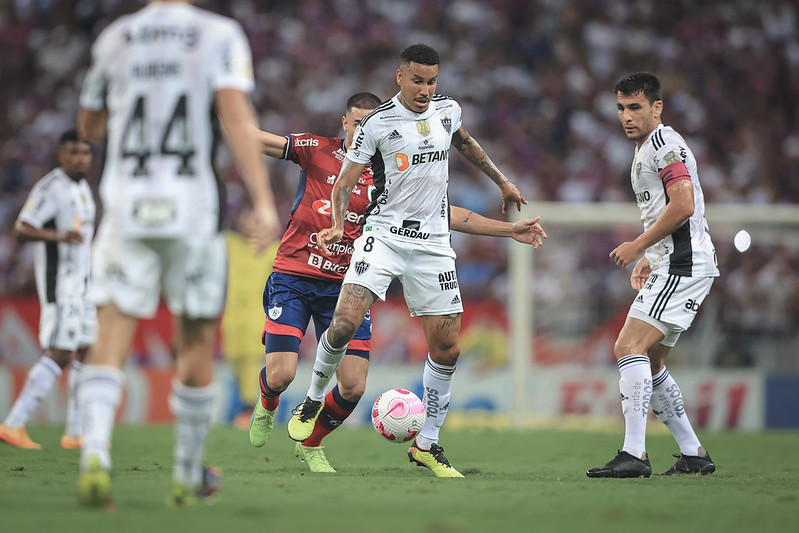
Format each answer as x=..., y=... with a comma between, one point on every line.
x=528, y=231
x=511, y=195
x=625, y=253
x=640, y=274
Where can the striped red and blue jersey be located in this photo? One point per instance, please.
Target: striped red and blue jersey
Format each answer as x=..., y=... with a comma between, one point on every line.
x=320, y=161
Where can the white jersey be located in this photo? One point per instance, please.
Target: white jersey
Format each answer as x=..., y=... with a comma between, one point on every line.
x=409, y=154
x=156, y=71
x=60, y=203
x=688, y=251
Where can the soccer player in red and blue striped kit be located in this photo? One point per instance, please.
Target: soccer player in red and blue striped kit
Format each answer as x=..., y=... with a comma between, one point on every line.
x=305, y=282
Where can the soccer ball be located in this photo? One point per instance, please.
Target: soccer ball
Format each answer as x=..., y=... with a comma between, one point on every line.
x=398, y=415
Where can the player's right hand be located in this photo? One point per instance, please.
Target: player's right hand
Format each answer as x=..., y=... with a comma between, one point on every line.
x=70, y=236
x=265, y=227
x=329, y=236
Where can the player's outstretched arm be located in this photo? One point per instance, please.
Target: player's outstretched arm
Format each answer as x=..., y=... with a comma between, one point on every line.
x=474, y=153
x=526, y=231
x=271, y=144
x=240, y=124
x=26, y=232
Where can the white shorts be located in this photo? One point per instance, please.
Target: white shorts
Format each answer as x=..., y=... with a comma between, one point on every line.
x=670, y=303
x=426, y=271
x=67, y=326
x=132, y=274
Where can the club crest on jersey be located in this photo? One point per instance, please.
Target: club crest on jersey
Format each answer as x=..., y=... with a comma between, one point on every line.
x=423, y=127
x=447, y=123
x=361, y=267
x=275, y=312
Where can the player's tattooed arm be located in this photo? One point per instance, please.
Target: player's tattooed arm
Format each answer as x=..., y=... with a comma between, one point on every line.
x=474, y=153
x=347, y=178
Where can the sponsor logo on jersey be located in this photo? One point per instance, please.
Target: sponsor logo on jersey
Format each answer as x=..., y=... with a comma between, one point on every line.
x=323, y=263
x=323, y=207
x=275, y=312
x=447, y=280
x=302, y=143
x=430, y=157
x=187, y=36
x=402, y=162
x=361, y=267
x=408, y=232
x=455, y=300
x=447, y=123
x=394, y=136
x=642, y=197
x=692, y=306
x=637, y=173
x=426, y=145
x=640, y=298
x=423, y=127
x=331, y=180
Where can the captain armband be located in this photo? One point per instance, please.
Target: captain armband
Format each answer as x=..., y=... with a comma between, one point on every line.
x=674, y=173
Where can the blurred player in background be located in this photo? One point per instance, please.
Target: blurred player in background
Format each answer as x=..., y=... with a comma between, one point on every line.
x=155, y=78
x=672, y=277
x=59, y=217
x=306, y=284
x=405, y=235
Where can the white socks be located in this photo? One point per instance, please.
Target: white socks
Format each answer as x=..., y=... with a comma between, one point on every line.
x=99, y=395
x=74, y=426
x=192, y=409
x=635, y=386
x=437, y=383
x=40, y=380
x=324, y=367
x=667, y=404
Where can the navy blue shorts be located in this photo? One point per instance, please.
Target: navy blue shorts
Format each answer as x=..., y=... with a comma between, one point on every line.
x=291, y=301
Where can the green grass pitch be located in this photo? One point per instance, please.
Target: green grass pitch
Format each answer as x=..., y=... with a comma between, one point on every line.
x=515, y=481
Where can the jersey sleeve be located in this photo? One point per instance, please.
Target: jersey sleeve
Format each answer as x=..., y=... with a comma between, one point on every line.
x=670, y=161
x=232, y=60
x=95, y=84
x=301, y=147
x=364, y=144
x=39, y=207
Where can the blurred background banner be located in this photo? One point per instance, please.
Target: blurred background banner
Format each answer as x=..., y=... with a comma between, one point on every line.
x=535, y=79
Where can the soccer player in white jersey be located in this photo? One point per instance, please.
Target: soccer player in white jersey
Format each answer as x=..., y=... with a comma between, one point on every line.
x=672, y=277
x=155, y=78
x=405, y=235
x=59, y=217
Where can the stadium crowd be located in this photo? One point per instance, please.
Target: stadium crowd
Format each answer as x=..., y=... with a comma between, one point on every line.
x=535, y=79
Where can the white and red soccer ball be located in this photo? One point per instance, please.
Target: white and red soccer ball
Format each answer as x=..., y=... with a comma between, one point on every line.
x=398, y=415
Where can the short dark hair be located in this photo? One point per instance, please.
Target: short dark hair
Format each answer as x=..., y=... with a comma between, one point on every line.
x=363, y=101
x=419, y=53
x=68, y=136
x=640, y=82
